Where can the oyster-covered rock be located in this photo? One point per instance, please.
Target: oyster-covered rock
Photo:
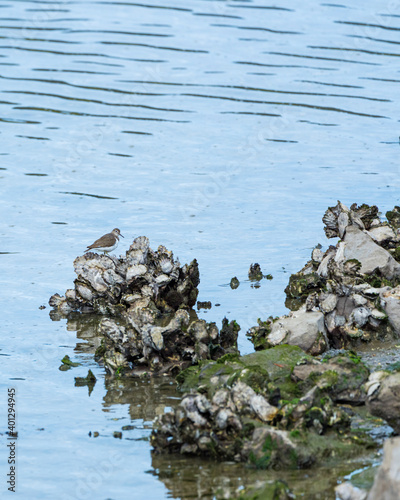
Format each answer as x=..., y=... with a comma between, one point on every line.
x=255, y=410
x=338, y=218
x=147, y=297
x=355, y=284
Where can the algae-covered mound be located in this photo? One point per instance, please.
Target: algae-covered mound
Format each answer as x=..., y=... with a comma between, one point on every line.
x=349, y=293
x=147, y=299
x=273, y=408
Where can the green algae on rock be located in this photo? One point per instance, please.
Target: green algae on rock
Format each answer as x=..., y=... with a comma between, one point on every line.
x=265, y=409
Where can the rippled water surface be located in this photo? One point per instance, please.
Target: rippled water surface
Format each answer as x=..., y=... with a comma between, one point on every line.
x=221, y=129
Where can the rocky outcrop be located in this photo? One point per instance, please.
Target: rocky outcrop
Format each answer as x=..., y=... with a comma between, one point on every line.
x=266, y=413
x=352, y=286
x=146, y=299
x=108, y=285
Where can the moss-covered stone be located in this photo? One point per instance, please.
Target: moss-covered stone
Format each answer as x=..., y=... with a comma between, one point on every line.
x=279, y=362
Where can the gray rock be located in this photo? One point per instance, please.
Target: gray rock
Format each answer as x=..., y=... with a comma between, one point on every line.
x=391, y=304
x=384, y=400
x=328, y=304
x=360, y=246
x=382, y=234
x=387, y=480
x=301, y=328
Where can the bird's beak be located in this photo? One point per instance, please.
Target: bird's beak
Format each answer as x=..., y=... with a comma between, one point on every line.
x=121, y=235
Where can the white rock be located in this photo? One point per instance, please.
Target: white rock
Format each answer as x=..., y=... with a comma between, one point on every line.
x=162, y=279
x=359, y=300
x=317, y=255
x=343, y=222
x=374, y=381
x=262, y=408
x=382, y=233
x=375, y=313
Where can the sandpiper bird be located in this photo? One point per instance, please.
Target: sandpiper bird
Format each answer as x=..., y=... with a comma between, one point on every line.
x=106, y=243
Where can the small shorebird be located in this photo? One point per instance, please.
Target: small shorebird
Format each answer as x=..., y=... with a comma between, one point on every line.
x=106, y=243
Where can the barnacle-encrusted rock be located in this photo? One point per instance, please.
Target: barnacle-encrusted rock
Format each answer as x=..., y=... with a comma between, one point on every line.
x=255, y=273
x=342, y=375
x=338, y=218
x=256, y=410
x=393, y=216
x=141, y=345
x=108, y=285
x=354, y=285
x=147, y=298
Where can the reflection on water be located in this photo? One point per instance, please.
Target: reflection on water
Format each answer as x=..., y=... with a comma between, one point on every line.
x=208, y=479
x=222, y=130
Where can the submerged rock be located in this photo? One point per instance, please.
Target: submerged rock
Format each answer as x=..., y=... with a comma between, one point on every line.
x=147, y=299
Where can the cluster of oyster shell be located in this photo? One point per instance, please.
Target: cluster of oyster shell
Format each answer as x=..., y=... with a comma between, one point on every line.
x=230, y=420
x=355, y=284
x=147, y=299
x=107, y=285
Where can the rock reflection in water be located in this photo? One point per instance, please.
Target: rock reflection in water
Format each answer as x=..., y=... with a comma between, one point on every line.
x=206, y=479
x=147, y=398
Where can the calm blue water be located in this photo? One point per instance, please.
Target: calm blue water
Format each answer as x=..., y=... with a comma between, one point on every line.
x=221, y=129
